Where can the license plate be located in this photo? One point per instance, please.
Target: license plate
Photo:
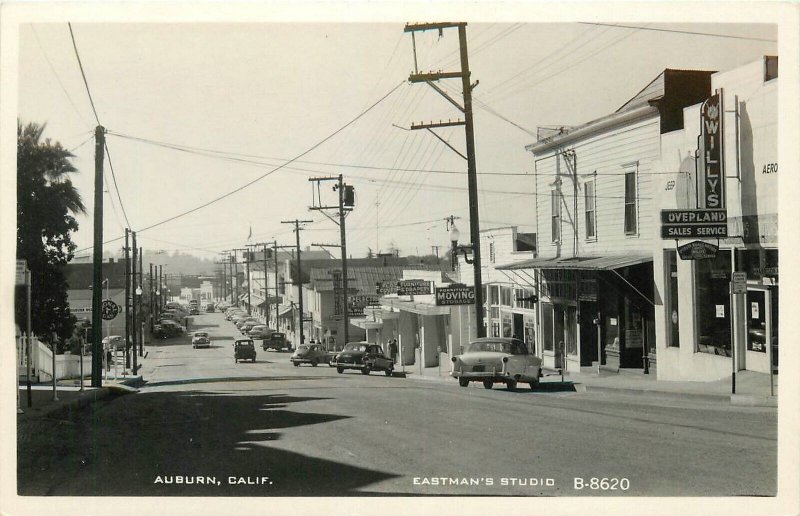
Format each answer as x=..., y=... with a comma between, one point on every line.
x=478, y=369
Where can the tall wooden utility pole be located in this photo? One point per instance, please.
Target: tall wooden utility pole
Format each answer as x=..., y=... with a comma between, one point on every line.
x=127, y=298
x=141, y=284
x=97, y=259
x=344, y=206
x=472, y=179
x=134, y=284
x=150, y=293
x=299, y=279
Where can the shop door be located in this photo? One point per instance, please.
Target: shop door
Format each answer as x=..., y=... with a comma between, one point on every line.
x=762, y=323
x=588, y=333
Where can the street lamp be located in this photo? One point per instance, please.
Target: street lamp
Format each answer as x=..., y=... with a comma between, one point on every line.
x=455, y=234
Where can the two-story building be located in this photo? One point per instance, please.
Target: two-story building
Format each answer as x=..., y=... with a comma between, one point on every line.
x=700, y=325
x=593, y=197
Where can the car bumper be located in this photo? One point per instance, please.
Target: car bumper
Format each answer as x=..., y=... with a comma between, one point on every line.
x=303, y=360
x=348, y=365
x=201, y=345
x=496, y=376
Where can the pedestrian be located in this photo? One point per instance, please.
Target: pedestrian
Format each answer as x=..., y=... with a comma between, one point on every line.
x=393, y=349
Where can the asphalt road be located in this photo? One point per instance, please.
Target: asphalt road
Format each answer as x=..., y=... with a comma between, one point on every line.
x=270, y=429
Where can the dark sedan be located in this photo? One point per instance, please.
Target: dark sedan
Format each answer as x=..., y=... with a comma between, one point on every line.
x=365, y=357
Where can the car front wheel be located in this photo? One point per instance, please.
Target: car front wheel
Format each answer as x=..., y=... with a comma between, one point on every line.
x=534, y=384
x=296, y=364
x=511, y=385
x=340, y=370
x=388, y=371
x=365, y=370
x=314, y=363
x=463, y=382
x=487, y=384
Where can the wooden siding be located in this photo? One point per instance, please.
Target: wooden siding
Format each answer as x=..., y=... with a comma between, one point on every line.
x=611, y=154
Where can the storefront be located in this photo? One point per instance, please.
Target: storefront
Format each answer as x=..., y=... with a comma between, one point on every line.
x=593, y=306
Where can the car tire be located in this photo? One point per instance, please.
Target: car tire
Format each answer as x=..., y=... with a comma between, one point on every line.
x=365, y=369
x=488, y=384
x=511, y=385
x=236, y=360
x=314, y=363
x=463, y=382
x=388, y=371
x=533, y=384
x=340, y=370
x=296, y=364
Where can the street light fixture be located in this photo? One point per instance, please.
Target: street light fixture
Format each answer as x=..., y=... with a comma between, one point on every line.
x=455, y=234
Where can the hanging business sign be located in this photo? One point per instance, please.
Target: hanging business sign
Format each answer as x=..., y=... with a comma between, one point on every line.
x=451, y=296
x=703, y=223
x=697, y=250
x=404, y=287
x=383, y=288
x=109, y=309
x=711, y=162
x=22, y=267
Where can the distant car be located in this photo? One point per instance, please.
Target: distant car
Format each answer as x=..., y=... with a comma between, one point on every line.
x=493, y=360
x=309, y=354
x=210, y=308
x=276, y=341
x=248, y=325
x=244, y=349
x=165, y=331
x=260, y=331
x=365, y=357
x=179, y=329
x=194, y=311
x=114, y=341
x=201, y=340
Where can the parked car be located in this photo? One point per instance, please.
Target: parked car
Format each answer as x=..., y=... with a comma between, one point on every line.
x=365, y=357
x=244, y=349
x=194, y=311
x=259, y=331
x=177, y=327
x=248, y=325
x=210, y=308
x=200, y=339
x=309, y=354
x=165, y=331
x=276, y=341
x=493, y=360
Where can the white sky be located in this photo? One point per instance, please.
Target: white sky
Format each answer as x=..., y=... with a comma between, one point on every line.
x=274, y=90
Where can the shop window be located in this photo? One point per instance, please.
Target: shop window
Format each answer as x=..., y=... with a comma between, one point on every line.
x=672, y=296
x=508, y=327
x=505, y=293
x=547, y=326
x=530, y=335
x=712, y=304
x=589, y=207
x=555, y=215
x=494, y=291
x=630, y=203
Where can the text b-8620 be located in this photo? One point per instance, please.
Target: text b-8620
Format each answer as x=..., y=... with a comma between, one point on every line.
x=601, y=484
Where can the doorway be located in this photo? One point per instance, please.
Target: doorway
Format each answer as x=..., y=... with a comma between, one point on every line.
x=761, y=312
x=588, y=333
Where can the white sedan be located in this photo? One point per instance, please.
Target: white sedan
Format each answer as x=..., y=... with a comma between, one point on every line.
x=200, y=339
x=497, y=360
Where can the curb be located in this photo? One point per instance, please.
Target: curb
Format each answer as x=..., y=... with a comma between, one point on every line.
x=751, y=400
x=659, y=394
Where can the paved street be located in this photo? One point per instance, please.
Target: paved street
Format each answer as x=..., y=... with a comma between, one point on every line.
x=272, y=429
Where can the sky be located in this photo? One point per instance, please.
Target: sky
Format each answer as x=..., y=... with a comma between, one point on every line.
x=197, y=110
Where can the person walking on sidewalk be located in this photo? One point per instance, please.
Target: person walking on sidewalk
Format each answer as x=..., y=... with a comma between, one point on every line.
x=393, y=349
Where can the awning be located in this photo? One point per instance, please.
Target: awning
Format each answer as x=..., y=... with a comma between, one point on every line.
x=284, y=309
x=256, y=300
x=591, y=263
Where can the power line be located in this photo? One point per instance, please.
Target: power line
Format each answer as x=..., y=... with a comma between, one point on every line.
x=80, y=65
x=114, y=177
x=694, y=33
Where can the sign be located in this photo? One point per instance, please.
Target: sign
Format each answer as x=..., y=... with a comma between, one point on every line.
x=720, y=311
x=109, y=309
x=739, y=283
x=697, y=250
x=356, y=304
x=711, y=166
x=703, y=223
x=754, y=310
x=453, y=296
x=386, y=287
x=22, y=268
x=413, y=287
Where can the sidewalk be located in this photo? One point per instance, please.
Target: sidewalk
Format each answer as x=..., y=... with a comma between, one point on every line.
x=752, y=388
x=70, y=397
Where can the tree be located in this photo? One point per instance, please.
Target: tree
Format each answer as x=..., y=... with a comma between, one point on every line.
x=370, y=253
x=46, y=201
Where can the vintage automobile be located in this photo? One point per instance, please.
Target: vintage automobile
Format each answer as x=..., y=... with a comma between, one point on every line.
x=309, y=354
x=363, y=356
x=166, y=331
x=247, y=326
x=259, y=331
x=200, y=339
x=497, y=360
x=210, y=308
x=276, y=341
x=244, y=349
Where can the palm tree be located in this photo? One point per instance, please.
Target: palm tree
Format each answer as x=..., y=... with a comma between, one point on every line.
x=46, y=203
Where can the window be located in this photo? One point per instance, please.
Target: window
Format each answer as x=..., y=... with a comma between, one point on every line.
x=671, y=269
x=630, y=203
x=712, y=304
x=555, y=214
x=505, y=293
x=494, y=291
x=589, y=206
x=547, y=326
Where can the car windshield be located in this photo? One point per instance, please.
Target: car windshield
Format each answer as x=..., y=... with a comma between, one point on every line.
x=302, y=348
x=355, y=346
x=277, y=335
x=514, y=347
x=201, y=334
x=245, y=343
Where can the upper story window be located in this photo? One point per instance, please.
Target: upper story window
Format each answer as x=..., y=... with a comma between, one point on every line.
x=590, y=208
x=505, y=296
x=630, y=203
x=555, y=215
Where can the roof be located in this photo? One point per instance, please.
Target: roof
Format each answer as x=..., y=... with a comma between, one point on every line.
x=363, y=279
x=79, y=276
x=595, y=263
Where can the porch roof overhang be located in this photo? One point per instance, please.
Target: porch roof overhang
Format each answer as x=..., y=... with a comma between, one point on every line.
x=590, y=263
x=284, y=309
x=419, y=308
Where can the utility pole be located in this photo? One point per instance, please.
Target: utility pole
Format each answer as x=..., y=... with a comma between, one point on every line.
x=277, y=304
x=299, y=279
x=141, y=283
x=466, y=87
x=133, y=303
x=97, y=259
x=238, y=286
x=344, y=206
x=127, y=298
x=236, y=275
x=150, y=294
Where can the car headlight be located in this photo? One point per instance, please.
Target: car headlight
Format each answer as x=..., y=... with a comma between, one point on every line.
x=505, y=360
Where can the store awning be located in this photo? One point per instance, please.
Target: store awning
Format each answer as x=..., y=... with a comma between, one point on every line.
x=284, y=309
x=591, y=263
x=256, y=300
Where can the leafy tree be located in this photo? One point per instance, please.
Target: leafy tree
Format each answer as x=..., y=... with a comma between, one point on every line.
x=46, y=201
x=370, y=253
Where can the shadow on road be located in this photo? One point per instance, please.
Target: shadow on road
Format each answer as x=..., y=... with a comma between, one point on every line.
x=227, y=379
x=140, y=444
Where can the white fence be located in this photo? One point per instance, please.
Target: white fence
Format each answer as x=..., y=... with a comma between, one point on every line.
x=67, y=365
